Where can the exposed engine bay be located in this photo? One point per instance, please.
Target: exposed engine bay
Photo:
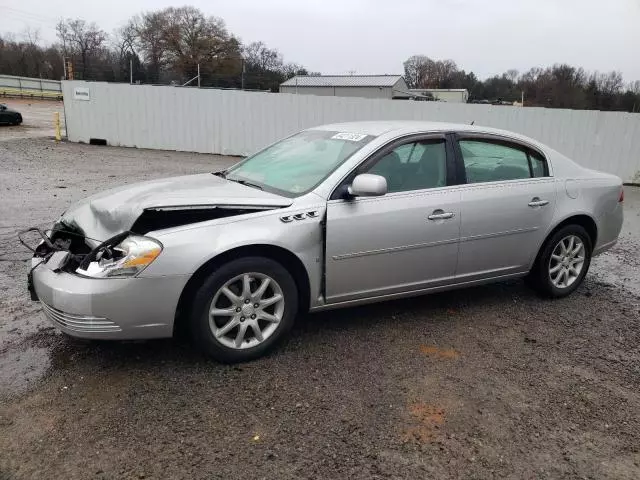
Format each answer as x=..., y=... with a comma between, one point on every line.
x=122, y=253
x=168, y=217
x=61, y=238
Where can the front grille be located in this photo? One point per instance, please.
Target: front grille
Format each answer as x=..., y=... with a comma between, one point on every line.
x=80, y=323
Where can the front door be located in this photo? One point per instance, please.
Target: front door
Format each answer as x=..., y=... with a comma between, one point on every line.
x=506, y=207
x=404, y=240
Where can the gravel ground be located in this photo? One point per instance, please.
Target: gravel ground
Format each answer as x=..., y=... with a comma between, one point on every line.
x=489, y=382
x=37, y=118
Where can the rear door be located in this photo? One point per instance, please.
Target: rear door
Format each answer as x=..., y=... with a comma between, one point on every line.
x=506, y=206
x=404, y=240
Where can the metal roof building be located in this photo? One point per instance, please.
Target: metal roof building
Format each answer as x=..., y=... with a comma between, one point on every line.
x=453, y=95
x=367, y=86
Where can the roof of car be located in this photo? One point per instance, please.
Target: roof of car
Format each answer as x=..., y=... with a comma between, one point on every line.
x=558, y=163
x=402, y=127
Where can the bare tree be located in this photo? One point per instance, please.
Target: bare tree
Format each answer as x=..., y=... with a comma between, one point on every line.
x=150, y=38
x=158, y=46
x=414, y=70
x=512, y=75
x=192, y=39
x=440, y=74
x=177, y=40
x=123, y=42
x=423, y=72
x=81, y=40
x=258, y=56
x=290, y=70
x=609, y=83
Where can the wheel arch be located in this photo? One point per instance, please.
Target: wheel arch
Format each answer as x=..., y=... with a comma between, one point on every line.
x=585, y=221
x=290, y=261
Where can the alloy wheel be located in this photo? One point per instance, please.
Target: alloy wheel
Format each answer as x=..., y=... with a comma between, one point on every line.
x=246, y=310
x=567, y=261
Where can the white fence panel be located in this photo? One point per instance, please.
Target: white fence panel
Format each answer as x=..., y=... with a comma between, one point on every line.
x=28, y=83
x=237, y=123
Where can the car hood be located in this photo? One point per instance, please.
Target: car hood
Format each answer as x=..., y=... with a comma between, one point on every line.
x=111, y=212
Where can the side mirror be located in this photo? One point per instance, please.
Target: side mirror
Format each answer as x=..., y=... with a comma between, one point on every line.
x=368, y=185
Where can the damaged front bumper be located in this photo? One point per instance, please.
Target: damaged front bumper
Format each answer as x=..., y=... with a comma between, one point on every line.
x=107, y=308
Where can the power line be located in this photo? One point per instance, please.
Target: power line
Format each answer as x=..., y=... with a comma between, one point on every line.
x=32, y=14
x=29, y=22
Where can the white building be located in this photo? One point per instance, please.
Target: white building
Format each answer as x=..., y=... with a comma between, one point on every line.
x=367, y=86
x=452, y=95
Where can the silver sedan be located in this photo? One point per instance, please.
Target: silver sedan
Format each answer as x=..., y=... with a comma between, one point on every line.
x=330, y=217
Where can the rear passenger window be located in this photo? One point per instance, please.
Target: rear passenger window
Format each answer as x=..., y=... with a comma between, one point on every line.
x=486, y=161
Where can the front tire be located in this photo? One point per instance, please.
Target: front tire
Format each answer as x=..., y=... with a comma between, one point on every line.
x=243, y=309
x=562, y=262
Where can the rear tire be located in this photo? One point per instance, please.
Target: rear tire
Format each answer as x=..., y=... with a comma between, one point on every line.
x=562, y=262
x=243, y=309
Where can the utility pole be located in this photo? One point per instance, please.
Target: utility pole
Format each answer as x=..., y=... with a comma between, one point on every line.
x=242, y=75
x=198, y=75
x=130, y=71
x=522, y=98
x=64, y=65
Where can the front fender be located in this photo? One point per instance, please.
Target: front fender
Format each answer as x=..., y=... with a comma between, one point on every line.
x=187, y=249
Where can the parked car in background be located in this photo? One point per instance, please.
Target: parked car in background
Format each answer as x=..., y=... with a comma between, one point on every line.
x=9, y=116
x=330, y=217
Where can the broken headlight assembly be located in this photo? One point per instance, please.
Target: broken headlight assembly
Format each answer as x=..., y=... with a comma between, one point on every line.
x=124, y=255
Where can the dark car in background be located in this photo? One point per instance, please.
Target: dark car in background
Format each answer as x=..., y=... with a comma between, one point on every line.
x=9, y=116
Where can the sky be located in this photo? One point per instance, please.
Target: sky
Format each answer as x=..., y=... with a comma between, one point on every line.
x=487, y=37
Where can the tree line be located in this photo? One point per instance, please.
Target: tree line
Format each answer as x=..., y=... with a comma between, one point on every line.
x=161, y=46
x=557, y=86
x=167, y=46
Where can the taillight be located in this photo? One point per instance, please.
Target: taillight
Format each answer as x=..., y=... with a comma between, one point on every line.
x=621, y=199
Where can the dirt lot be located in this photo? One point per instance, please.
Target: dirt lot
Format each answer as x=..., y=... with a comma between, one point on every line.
x=490, y=382
x=37, y=118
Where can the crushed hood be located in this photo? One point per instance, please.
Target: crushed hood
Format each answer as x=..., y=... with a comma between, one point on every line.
x=108, y=213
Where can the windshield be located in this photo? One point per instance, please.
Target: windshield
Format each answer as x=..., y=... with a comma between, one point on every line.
x=299, y=163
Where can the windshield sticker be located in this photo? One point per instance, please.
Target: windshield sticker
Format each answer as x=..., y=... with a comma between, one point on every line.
x=351, y=137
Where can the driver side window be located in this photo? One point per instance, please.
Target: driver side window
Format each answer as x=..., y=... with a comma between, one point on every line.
x=413, y=166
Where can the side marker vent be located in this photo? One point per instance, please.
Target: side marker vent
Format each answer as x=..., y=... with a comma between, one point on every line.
x=299, y=216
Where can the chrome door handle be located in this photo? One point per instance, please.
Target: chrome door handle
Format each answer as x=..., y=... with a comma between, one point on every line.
x=441, y=216
x=536, y=202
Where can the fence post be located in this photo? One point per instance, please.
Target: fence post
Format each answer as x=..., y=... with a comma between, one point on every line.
x=56, y=123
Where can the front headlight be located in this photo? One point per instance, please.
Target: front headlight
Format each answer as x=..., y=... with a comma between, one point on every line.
x=122, y=256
